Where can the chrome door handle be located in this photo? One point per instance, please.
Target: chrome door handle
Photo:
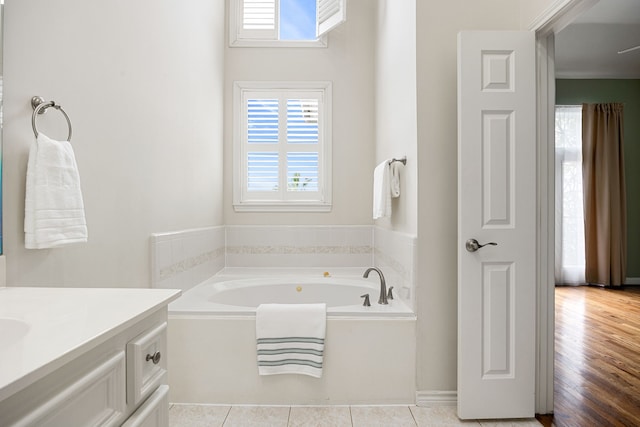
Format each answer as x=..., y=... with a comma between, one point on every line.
x=472, y=245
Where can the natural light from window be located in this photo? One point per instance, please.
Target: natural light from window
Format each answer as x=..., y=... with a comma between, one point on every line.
x=284, y=23
x=570, y=255
x=297, y=20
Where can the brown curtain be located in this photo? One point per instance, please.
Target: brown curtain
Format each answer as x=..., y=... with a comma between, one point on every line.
x=605, y=205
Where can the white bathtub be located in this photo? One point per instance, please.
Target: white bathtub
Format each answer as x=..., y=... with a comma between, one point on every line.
x=343, y=296
x=369, y=351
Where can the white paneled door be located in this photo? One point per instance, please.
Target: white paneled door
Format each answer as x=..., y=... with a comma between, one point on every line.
x=497, y=208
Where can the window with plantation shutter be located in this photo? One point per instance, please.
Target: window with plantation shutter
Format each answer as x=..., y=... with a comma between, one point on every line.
x=330, y=14
x=259, y=19
x=283, y=23
x=282, y=146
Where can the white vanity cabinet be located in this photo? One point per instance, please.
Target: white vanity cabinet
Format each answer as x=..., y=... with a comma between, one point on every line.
x=117, y=377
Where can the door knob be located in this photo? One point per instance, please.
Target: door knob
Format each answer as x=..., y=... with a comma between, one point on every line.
x=472, y=245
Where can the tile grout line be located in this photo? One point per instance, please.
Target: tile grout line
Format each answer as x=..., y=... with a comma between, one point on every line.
x=226, y=416
x=413, y=416
x=351, y=415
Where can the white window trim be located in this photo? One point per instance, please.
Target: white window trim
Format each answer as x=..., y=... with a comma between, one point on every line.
x=240, y=204
x=236, y=40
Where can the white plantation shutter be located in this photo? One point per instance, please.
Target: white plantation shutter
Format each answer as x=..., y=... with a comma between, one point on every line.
x=257, y=23
x=259, y=19
x=330, y=14
x=282, y=150
x=303, y=143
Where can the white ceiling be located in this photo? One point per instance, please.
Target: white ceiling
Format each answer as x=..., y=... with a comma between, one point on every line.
x=588, y=48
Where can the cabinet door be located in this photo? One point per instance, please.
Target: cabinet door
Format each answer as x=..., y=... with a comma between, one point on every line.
x=154, y=412
x=96, y=399
x=146, y=363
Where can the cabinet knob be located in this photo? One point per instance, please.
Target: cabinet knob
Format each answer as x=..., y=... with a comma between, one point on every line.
x=155, y=357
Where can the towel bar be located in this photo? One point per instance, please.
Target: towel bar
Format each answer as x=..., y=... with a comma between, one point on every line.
x=402, y=160
x=40, y=106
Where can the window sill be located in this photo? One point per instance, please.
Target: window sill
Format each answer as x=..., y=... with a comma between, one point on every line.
x=320, y=43
x=284, y=207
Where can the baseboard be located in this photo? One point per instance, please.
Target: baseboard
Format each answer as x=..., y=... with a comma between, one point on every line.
x=632, y=281
x=431, y=398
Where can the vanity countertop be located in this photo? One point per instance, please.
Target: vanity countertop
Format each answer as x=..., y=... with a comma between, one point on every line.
x=41, y=329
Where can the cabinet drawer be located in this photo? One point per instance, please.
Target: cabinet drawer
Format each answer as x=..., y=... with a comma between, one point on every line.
x=154, y=412
x=146, y=363
x=96, y=399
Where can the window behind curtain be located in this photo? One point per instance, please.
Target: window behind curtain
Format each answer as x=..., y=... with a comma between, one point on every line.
x=570, y=258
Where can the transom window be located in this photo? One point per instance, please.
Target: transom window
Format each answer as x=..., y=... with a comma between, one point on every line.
x=282, y=146
x=283, y=23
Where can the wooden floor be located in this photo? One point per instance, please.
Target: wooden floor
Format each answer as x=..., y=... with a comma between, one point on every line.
x=597, y=361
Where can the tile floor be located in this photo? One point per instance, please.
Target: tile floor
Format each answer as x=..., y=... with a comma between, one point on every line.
x=321, y=416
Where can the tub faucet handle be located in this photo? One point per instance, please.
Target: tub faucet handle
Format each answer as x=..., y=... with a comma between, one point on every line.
x=390, y=293
x=366, y=302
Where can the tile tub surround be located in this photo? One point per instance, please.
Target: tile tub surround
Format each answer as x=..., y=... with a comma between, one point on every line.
x=299, y=246
x=329, y=416
x=182, y=259
x=396, y=254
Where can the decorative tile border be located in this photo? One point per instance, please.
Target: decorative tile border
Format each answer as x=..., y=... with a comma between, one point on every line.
x=189, y=263
x=400, y=269
x=293, y=250
x=182, y=259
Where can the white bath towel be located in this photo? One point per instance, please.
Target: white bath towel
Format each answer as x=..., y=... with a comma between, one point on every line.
x=290, y=338
x=54, y=210
x=394, y=179
x=381, y=191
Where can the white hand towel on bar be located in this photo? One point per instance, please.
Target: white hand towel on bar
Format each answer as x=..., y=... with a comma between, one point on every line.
x=290, y=338
x=54, y=210
x=394, y=179
x=381, y=191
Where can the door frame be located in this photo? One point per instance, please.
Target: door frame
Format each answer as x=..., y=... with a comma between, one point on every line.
x=560, y=14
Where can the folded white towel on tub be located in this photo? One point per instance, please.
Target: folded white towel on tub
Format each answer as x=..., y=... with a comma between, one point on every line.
x=54, y=210
x=290, y=338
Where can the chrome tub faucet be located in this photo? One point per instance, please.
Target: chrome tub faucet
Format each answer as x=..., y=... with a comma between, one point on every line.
x=383, y=284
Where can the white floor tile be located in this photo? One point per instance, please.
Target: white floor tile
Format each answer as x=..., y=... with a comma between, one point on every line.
x=327, y=416
x=379, y=416
x=511, y=423
x=257, y=416
x=320, y=416
x=439, y=416
x=197, y=415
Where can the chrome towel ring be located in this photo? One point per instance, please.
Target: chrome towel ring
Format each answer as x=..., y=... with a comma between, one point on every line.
x=40, y=107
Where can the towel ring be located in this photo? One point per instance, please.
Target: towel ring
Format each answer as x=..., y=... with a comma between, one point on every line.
x=40, y=106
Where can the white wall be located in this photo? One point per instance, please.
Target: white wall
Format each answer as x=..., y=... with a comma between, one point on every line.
x=348, y=63
x=395, y=91
x=439, y=24
x=531, y=10
x=142, y=82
